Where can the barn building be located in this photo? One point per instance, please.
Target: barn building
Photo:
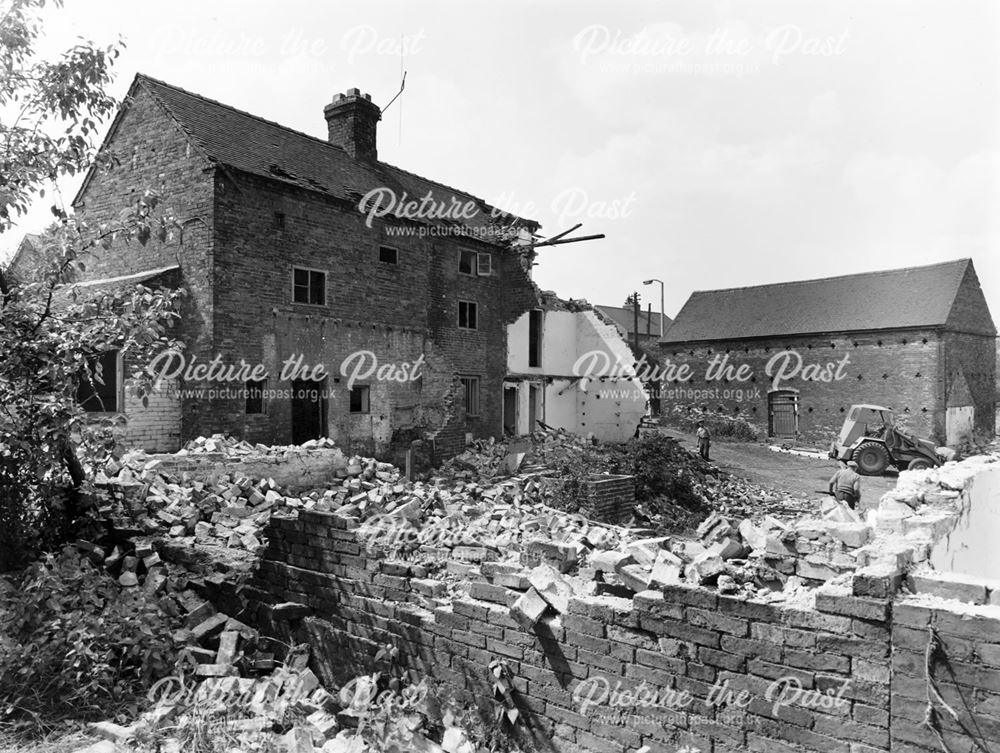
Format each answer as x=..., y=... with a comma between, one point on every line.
x=793, y=357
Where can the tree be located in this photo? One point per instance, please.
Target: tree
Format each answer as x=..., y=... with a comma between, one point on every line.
x=50, y=332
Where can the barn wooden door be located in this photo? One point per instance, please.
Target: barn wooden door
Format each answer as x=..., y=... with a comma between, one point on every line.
x=783, y=414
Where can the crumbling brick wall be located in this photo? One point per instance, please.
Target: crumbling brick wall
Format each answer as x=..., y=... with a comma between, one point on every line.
x=965, y=671
x=396, y=311
x=686, y=639
x=154, y=154
x=866, y=650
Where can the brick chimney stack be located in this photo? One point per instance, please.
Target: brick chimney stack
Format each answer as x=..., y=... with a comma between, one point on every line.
x=352, y=120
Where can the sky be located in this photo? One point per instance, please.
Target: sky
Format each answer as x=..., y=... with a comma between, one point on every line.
x=715, y=144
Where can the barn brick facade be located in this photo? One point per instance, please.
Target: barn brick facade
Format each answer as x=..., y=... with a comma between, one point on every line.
x=934, y=365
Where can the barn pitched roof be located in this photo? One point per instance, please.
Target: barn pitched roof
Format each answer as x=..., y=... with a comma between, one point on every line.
x=893, y=299
x=253, y=145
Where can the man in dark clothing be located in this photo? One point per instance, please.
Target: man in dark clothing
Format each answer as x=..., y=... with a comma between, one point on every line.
x=704, y=440
x=845, y=484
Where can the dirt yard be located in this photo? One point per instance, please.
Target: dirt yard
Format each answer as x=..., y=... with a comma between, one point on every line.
x=794, y=474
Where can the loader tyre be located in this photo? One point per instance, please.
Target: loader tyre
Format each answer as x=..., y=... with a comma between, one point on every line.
x=872, y=458
x=919, y=464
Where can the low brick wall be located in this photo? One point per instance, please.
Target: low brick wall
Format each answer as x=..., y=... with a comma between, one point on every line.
x=769, y=678
x=295, y=470
x=609, y=499
x=965, y=671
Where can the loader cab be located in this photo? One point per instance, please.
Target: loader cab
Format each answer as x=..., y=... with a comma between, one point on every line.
x=863, y=421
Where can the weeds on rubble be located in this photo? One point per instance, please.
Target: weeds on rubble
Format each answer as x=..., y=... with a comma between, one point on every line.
x=503, y=691
x=203, y=731
x=666, y=475
x=76, y=645
x=721, y=426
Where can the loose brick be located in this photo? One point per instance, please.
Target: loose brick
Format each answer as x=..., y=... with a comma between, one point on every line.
x=691, y=596
x=719, y=621
x=853, y=606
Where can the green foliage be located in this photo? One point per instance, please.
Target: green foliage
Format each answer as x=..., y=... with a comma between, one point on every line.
x=32, y=515
x=720, y=425
x=50, y=331
x=74, y=642
x=56, y=107
x=503, y=692
x=662, y=468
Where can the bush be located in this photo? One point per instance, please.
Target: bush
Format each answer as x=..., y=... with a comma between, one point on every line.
x=735, y=428
x=75, y=643
x=33, y=514
x=660, y=466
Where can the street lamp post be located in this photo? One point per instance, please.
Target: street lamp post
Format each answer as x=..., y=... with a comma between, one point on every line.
x=650, y=282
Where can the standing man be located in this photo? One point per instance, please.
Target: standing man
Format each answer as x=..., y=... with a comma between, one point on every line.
x=845, y=484
x=704, y=440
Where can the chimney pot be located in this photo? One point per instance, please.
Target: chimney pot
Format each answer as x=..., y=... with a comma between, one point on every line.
x=352, y=123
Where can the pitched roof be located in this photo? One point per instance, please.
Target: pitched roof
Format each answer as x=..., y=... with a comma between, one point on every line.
x=893, y=299
x=624, y=320
x=26, y=256
x=261, y=147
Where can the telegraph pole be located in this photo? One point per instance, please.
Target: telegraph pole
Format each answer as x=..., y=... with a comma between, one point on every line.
x=633, y=301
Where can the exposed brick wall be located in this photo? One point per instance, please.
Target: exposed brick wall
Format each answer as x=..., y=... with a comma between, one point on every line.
x=973, y=357
x=237, y=262
x=398, y=312
x=609, y=499
x=966, y=671
x=902, y=370
x=154, y=154
x=685, y=639
x=155, y=426
x=296, y=470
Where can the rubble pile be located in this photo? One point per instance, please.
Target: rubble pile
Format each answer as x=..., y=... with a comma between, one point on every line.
x=492, y=502
x=231, y=447
x=237, y=693
x=693, y=487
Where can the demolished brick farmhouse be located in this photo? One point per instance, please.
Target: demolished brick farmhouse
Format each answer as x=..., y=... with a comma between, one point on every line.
x=793, y=357
x=554, y=351
x=408, y=316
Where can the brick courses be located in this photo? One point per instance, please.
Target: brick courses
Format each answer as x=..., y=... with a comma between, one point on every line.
x=237, y=262
x=867, y=651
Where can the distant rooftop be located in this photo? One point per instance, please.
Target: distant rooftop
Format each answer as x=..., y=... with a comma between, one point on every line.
x=893, y=299
x=624, y=320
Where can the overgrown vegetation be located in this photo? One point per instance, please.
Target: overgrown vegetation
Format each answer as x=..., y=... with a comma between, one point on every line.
x=720, y=425
x=73, y=643
x=667, y=476
x=51, y=334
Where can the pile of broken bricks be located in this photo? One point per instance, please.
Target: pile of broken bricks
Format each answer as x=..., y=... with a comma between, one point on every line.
x=228, y=678
x=720, y=557
x=231, y=447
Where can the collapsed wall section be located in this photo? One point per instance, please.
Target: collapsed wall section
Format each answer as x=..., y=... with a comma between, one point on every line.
x=890, y=656
x=732, y=675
